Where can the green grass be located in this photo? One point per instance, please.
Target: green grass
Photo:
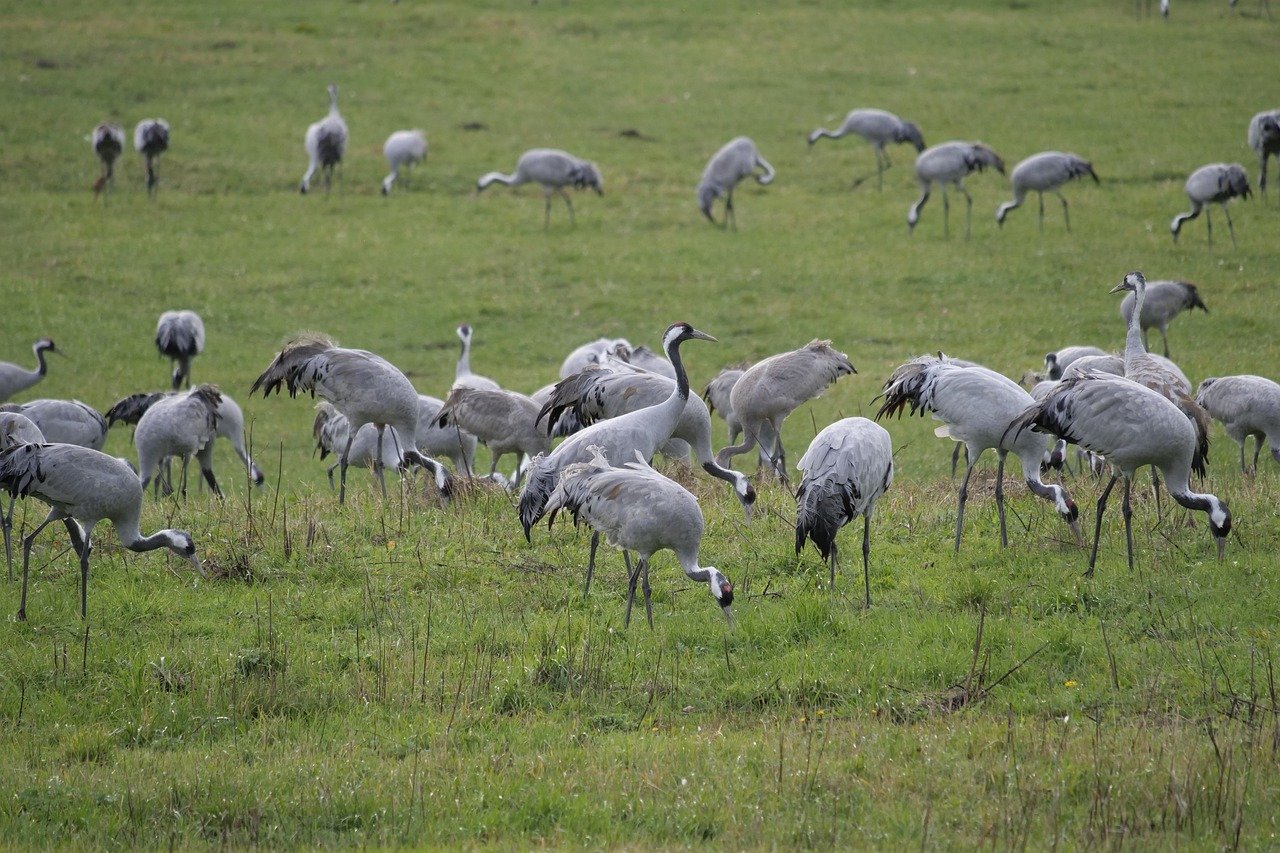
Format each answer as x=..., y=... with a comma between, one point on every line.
x=397, y=673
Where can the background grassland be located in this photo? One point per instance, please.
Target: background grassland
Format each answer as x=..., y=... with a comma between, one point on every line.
x=397, y=673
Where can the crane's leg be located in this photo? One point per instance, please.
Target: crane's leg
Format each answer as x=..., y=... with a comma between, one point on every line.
x=881, y=164
x=1155, y=488
x=186, y=460
x=866, y=555
x=1041, y=196
x=591, y=562
x=1004, y=532
x=1066, y=217
x=26, y=560
x=631, y=591
x=1257, y=449
x=1097, y=526
x=964, y=495
x=205, y=457
x=1208, y=222
x=946, y=214
x=1127, y=512
x=730, y=218
x=831, y=565
x=955, y=457
x=379, y=470
x=7, y=522
x=648, y=600
x=546, y=218
x=968, y=209
x=1230, y=230
x=1164, y=335
x=332, y=468
x=80, y=544
x=568, y=202
x=343, y=462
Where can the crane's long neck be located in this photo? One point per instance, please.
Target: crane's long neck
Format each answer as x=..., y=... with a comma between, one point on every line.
x=464, y=360
x=701, y=443
x=333, y=102
x=42, y=367
x=1133, y=345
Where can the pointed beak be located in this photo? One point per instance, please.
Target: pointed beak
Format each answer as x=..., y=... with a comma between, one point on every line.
x=1222, y=547
x=1119, y=287
x=728, y=615
x=702, y=336
x=195, y=561
x=748, y=510
x=1075, y=530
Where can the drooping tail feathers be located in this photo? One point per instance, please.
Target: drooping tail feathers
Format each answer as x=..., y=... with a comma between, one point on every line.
x=298, y=366
x=131, y=409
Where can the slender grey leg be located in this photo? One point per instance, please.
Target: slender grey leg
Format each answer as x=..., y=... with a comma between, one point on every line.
x=964, y=495
x=631, y=591
x=591, y=562
x=342, y=467
x=1097, y=526
x=946, y=214
x=378, y=467
x=831, y=578
x=1230, y=229
x=968, y=211
x=568, y=202
x=1004, y=532
x=1208, y=222
x=1257, y=449
x=648, y=600
x=8, y=537
x=866, y=555
x=1066, y=217
x=82, y=547
x=26, y=560
x=1041, y=196
x=1127, y=512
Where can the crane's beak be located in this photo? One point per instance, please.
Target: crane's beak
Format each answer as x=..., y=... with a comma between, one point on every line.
x=1222, y=547
x=702, y=336
x=1119, y=287
x=1075, y=529
x=195, y=561
x=728, y=615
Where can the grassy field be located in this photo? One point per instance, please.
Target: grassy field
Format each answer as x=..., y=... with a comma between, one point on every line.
x=395, y=673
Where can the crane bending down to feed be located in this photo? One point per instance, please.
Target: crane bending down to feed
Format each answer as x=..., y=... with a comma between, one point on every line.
x=1247, y=406
x=182, y=425
x=15, y=429
x=83, y=487
x=1165, y=300
x=403, y=149
x=462, y=375
x=554, y=170
x=637, y=509
x=725, y=170
x=15, y=379
x=505, y=421
x=771, y=389
x=326, y=142
x=180, y=336
x=1130, y=426
x=950, y=163
x=847, y=468
x=1216, y=183
x=362, y=386
x=1042, y=173
x=878, y=128
x=151, y=139
x=976, y=406
x=108, y=144
x=1264, y=139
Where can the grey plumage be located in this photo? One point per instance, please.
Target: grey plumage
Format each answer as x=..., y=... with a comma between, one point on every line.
x=83, y=487
x=107, y=140
x=403, y=149
x=462, y=375
x=950, y=163
x=878, y=128
x=976, y=406
x=1042, y=173
x=1131, y=426
x=1113, y=364
x=15, y=429
x=737, y=159
x=637, y=509
x=326, y=143
x=181, y=425
x=847, y=468
x=64, y=421
x=505, y=421
x=773, y=388
x=1216, y=183
x=594, y=352
x=1165, y=300
x=365, y=387
x=1058, y=361
x=453, y=444
x=15, y=379
x=180, y=336
x=331, y=432
x=151, y=139
x=1246, y=406
x=553, y=170
x=1264, y=139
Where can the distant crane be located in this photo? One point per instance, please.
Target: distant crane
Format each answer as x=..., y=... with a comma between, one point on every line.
x=1042, y=173
x=637, y=509
x=554, y=170
x=403, y=149
x=1130, y=426
x=64, y=421
x=83, y=487
x=847, y=468
x=15, y=429
x=1216, y=183
x=108, y=143
x=180, y=336
x=950, y=163
x=151, y=139
x=505, y=421
x=1247, y=406
x=326, y=142
x=462, y=375
x=737, y=159
x=1264, y=139
x=14, y=379
x=362, y=386
x=1165, y=300
x=772, y=388
x=182, y=425
x=878, y=128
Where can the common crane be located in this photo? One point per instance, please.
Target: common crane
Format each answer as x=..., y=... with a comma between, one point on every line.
x=1215, y=183
x=976, y=406
x=107, y=140
x=1247, y=406
x=950, y=163
x=182, y=425
x=1042, y=173
x=737, y=159
x=403, y=149
x=637, y=509
x=15, y=429
x=553, y=170
x=64, y=421
x=1165, y=300
x=180, y=336
x=1058, y=361
x=332, y=431
x=847, y=468
x=1264, y=139
x=15, y=379
x=326, y=142
x=878, y=128
x=83, y=487
x=151, y=139
x=1130, y=426
x=365, y=387
x=462, y=375
x=505, y=421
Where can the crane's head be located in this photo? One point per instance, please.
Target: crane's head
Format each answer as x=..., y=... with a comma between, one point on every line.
x=707, y=194
x=1219, y=523
x=464, y=333
x=910, y=132
x=721, y=591
x=1132, y=282
x=586, y=175
x=679, y=332
x=181, y=543
x=46, y=345
x=1069, y=511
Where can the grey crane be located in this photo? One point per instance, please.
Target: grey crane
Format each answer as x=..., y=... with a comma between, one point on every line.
x=976, y=406
x=950, y=163
x=15, y=429
x=332, y=431
x=64, y=421
x=505, y=421
x=1058, y=361
x=1165, y=301
x=180, y=336
x=1042, y=173
x=182, y=425
x=15, y=379
x=1246, y=405
x=737, y=159
x=326, y=142
x=1130, y=426
x=450, y=442
x=1264, y=139
x=82, y=487
x=403, y=149
x=878, y=128
x=107, y=140
x=365, y=387
x=773, y=388
x=594, y=352
x=462, y=375
x=637, y=509
x=717, y=397
x=1215, y=183
x=847, y=468
x=553, y=170
x=151, y=139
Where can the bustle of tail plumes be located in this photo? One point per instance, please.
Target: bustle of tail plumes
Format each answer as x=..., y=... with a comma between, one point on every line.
x=297, y=366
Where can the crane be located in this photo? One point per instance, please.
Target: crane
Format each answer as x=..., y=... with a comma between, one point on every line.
x=462, y=375
x=64, y=421
x=1215, y=183
x=326, y=142
x=1264, y=139
x=1165, y=300
x=182, y=425
x=735, y=160
x=180, y=336
x=878, y=128
x=151, y=139
x=553, y=170
x=15, y=429
x=107, y=140
x=1042, y=173
x=505, y=421
x=15, y=379
x=1247, y=406
x=403, y=150
x=950, y=163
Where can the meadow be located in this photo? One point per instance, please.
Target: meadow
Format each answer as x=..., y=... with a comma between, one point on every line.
x=399, y=673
